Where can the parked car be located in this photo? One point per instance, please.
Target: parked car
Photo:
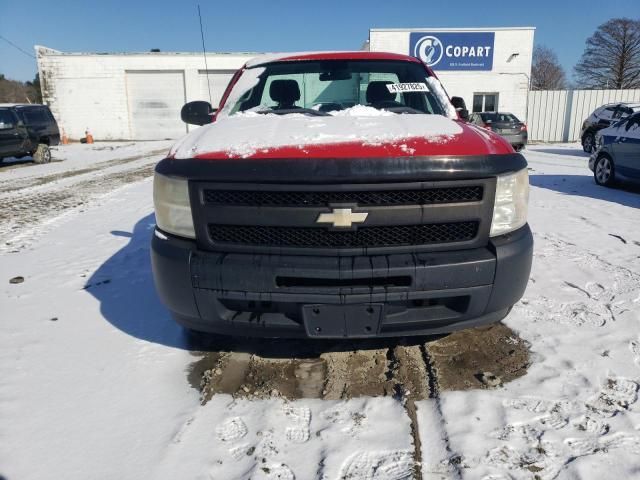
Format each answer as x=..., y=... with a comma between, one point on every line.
x=603, y=117
x=295, y=215
x=505, y=124
x=27, y=130
x=617, y=156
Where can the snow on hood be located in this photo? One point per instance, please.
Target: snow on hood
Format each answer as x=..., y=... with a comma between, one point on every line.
x=243, y=135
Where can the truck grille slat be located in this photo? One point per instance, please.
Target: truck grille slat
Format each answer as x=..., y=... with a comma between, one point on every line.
x=310, y=237
x=427, y=196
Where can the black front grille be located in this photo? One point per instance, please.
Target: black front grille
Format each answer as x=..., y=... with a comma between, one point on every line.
x=427, y=196
x=309, y=237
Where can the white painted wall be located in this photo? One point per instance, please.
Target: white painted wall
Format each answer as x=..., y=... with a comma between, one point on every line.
x=509, y=78
x=90, y=90
x=557, y=115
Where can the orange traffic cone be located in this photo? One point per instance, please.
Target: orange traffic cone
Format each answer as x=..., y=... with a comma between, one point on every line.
x=65, y=139
x=88, y=136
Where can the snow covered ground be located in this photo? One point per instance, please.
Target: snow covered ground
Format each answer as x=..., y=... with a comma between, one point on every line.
x=32, y=196
x=95, y=377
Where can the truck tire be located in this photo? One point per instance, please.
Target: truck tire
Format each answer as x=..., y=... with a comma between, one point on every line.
x=42, y=154
x=604, y=171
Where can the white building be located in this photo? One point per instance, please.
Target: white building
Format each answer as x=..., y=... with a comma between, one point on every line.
x=488, y=67
x=122, y=96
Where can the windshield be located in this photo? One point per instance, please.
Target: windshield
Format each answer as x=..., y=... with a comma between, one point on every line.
x=499, y=117
x=325, y=87
x=7, y=119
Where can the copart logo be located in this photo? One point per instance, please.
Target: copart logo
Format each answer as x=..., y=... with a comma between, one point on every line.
x=429, y=49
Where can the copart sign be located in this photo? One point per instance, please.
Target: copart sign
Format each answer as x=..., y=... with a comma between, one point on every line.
x=453, y=50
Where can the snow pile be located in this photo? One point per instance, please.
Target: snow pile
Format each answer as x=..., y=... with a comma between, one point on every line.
x=361, y=111
x=243, y=135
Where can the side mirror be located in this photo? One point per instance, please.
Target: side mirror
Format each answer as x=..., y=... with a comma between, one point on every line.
x=461, y=108
x=458, y=103
x=197, y=113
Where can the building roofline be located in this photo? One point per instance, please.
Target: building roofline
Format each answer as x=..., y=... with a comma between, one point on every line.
x=52, y=52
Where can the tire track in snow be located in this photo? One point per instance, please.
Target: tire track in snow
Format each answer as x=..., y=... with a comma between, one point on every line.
x=23, y=217
x=13, y=185
x=453, y=459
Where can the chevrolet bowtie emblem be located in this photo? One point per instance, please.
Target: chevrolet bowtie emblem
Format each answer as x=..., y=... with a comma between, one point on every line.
x=342, y=217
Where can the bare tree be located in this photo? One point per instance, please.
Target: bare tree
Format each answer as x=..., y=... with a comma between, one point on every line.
x=14, y=91
x=546, y=71
x=611, y=57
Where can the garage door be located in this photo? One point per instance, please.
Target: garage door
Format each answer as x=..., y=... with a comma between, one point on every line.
x=155, y=100
x=218, y=81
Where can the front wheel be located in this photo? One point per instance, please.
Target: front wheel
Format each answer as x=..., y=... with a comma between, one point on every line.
x=42, y=154
x=588, y=143
x=604, y=171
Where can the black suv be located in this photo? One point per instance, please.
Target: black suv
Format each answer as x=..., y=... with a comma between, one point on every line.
x=602, y=117
x=27, y=130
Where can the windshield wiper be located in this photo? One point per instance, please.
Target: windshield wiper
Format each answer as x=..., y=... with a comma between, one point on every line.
x=403, y=109
x=286, y=111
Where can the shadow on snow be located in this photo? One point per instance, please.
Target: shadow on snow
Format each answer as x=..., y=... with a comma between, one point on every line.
x=585, y=186
x=573, y=152
x=124, y=287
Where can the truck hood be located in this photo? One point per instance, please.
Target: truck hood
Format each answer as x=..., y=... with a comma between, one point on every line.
x=357, y=132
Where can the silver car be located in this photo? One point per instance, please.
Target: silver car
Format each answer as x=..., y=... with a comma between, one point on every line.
x=504, y=124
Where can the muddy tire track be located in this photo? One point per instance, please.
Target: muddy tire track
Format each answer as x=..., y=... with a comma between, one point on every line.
x=408, y=370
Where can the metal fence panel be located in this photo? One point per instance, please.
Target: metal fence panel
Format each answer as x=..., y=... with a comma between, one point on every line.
x=557, y=115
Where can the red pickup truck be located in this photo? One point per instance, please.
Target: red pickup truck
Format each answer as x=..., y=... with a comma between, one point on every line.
x=339, y=195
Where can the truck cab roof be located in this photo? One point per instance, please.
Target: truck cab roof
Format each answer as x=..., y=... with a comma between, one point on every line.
x=329, y=55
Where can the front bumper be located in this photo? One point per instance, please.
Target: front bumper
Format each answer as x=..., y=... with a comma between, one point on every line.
x=516, y=139
x=318, y=296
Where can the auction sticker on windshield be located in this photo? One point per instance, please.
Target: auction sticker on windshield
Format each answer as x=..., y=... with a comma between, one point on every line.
x=407, y=87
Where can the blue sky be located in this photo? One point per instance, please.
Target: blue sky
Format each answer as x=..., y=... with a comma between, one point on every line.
x=278, y=25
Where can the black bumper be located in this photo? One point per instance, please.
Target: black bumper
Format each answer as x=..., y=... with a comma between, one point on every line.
x=516, y=139
x=362, y=296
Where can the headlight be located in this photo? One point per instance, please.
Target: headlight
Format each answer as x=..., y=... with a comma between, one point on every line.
x=172, y=205
x=599, y=141
x=511, y=203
